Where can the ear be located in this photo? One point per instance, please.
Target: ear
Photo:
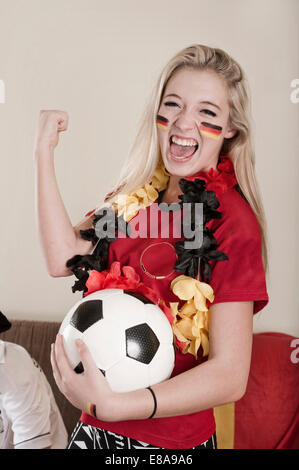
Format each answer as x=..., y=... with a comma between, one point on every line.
x=230, y=132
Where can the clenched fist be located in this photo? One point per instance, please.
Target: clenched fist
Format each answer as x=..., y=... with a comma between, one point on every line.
x=50, y=123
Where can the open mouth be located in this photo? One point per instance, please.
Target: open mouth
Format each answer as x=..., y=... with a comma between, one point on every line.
x=182, y=148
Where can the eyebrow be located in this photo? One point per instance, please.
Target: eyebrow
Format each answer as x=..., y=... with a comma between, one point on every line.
x=212, y=104
x=201, y=102
x=172, y=94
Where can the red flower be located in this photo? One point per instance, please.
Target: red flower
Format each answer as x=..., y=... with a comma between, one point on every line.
x=124, y=277
x=218, y=180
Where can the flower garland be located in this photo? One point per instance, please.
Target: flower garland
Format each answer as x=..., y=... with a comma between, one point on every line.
x=124, y=277
x=190, y=322
x=128, y=205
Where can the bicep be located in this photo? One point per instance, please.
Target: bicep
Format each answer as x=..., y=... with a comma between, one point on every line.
x=230, y=335
x=84, y=224
x=84, y=247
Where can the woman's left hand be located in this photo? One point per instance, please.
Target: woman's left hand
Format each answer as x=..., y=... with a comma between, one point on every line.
x=88, y=387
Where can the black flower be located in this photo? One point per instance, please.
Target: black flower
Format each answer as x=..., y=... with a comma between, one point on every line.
x=195, y=261
x=104, y=232
x=195, y=192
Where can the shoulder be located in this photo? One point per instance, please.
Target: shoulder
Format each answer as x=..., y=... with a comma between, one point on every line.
x=16, y=366
x=14, y=351
x=238, y=221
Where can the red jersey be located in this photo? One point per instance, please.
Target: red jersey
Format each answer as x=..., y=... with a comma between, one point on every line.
x=240, y=278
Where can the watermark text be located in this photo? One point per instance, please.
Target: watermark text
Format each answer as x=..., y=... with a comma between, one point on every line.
x=161, y=221
x=295, y=353
x=294, y=97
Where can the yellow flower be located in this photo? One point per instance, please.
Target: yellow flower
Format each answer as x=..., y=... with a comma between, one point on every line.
x=187, y=288
x=160, y=177
x=128, y=205
x=181, y=328
x=188, y=309
x=191, y=322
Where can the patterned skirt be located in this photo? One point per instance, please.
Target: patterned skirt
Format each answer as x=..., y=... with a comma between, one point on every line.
x=85, y=436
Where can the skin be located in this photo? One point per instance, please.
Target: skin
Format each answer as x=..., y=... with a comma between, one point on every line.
x=223, y=378
x=185, y=105
x=59, y=240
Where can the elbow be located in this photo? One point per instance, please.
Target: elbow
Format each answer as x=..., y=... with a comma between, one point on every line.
x=238, y=394
x=59, y=271
x=55, y=274
x=238, y=391
x=233, y=386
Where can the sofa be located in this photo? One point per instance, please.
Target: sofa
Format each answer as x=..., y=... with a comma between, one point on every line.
x=267, y=416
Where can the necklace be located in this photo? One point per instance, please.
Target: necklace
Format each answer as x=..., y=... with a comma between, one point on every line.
x=202, y=187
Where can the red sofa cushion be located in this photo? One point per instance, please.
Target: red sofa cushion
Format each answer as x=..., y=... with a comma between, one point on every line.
x=267, y=416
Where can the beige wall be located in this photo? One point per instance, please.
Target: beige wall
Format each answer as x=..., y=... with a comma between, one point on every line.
x=98, y=60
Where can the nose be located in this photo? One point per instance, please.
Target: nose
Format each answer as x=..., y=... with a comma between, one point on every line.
x=185, y=121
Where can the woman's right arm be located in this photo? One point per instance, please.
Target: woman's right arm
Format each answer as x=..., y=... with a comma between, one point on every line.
x=59, y=239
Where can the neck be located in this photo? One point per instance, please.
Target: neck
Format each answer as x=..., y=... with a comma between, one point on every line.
x=173, y=190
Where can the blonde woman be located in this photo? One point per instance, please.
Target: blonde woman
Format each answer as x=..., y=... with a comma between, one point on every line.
x=194, y=145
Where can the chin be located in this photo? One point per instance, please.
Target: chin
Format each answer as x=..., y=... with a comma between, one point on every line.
x=189, y=166
x=182, y=168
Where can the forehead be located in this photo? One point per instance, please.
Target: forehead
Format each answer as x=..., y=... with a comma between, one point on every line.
x=197, y=85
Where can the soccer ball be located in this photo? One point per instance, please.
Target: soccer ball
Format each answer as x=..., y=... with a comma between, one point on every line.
x=129, y=337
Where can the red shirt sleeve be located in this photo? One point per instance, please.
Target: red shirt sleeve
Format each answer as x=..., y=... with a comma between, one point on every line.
x=242, y=276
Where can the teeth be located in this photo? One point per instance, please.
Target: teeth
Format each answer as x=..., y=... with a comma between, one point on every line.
x=184, y=142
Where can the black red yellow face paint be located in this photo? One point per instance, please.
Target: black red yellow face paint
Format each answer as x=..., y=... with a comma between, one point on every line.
x=91, y=409
x=162, y=122
x=206, y=129
x=210, y=130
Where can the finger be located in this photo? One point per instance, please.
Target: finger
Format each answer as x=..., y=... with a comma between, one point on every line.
x=55, y=369
x=86, y=357
x=62, y=361
x=62, y=121
x=62, y=126
x=53, y=358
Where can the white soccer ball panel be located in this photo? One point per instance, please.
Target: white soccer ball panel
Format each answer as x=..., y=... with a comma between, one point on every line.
x=70, y=334
x=106, y=343
x=68, y=316
x=128, y=375
x=124, y=311
x=106, y=339
x=98, y=295
x=162, y=364
x=159, y=323
x=103, y=294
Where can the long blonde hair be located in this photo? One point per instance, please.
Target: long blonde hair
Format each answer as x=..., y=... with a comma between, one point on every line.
x=145, y=153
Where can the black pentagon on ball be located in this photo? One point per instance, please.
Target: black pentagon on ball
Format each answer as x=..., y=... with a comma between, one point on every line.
x=141, y=343
x=79, y=369
x=87, y=314
x=138, y=296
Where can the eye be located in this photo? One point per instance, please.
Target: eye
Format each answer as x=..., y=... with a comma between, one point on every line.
x=209, y=112
x=170, y=103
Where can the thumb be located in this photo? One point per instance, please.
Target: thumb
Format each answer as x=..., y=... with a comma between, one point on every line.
x=86, y=357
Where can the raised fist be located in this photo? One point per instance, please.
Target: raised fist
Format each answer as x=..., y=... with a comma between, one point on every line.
x=50, y=123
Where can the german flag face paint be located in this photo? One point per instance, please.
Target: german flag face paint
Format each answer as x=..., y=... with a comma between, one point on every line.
x=91, y=409
x=210, y=130
x=162, y=122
